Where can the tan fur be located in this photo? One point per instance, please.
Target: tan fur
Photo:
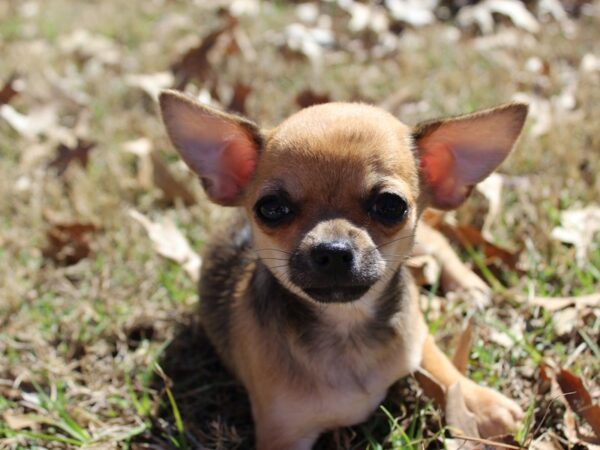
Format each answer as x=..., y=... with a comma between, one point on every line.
x=311, y=366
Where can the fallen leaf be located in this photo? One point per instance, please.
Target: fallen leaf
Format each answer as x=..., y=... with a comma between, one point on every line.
x=482, y=13
x=16, y=421
x=9, y=90
x=308, y=97
x=545, y=443
x=238, y=99
x=68, y=243
x=579, y=399
x=579, y=227
x=414, y=12
x=564, y=321
x=491, y=188
x=431, y=387
x=463, y=347
x=153, y=172
x=590, y=63
x=171, y=243
x=42, y=120
x=544, y=380
x=469, y=236
x=425, y=269
x=152, y=84
x=458, y=417
x=171, y=188
x=556, y=303
x=195, y=64
x=540, y=112
x=66, y=155
x=309, y=41
x=86, y=45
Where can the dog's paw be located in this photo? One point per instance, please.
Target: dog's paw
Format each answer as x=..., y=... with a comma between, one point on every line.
x=495, y=414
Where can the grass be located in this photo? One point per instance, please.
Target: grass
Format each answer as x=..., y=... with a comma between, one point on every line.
x=108, y=351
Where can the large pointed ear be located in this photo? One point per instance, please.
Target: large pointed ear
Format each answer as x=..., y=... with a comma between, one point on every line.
x=222, y=149
x=458, y=153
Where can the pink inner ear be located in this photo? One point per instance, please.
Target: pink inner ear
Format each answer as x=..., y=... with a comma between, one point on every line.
x=456, y=154
x=233, y=169
x=220, y=149
x=438, y=165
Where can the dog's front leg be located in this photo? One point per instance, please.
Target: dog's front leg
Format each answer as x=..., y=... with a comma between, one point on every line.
x=275, y=435
x=282, y=428
x=455, y=276
x=495, y=413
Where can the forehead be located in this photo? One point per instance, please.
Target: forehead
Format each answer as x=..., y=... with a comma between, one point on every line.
x=337, y=149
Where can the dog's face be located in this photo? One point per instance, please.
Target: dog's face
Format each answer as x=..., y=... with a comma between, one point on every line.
x=334, y=193
x=334, y=199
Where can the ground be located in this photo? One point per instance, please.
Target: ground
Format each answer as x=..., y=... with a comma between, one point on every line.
x=99, y=339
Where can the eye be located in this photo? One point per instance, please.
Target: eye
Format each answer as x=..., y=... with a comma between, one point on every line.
x=273, y=210
x=389, y=209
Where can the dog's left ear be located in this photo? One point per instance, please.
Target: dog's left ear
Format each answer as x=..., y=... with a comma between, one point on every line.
x=221, y=148
x=458, y=153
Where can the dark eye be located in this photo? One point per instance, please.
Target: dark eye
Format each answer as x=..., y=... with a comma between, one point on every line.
x=273, y=210
x=388, y=208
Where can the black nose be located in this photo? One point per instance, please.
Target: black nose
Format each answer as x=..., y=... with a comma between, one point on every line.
x=336, y=256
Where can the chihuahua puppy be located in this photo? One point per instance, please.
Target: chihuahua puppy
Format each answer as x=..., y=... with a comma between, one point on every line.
x=304, y=293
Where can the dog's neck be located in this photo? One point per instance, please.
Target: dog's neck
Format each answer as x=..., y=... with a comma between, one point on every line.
x=366, y=319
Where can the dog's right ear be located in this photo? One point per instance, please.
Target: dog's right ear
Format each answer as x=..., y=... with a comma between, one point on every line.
x=222, y=149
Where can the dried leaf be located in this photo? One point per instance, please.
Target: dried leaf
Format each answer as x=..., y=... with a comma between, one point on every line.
x=579, y=227
x=414, y=12
x=458, y=417
x=153, y=172
x=42, y=120
x=238, y=100
x=86, y=45
x=544, y=380
x=309, y=42
x=540, y=112
x=425, y=269
x=170, y=243
x=431, y=387
x=308, y=97
x=469, y=236
x=152, y=84
x=68, y=243
x=171, y=188
x=491, y=188
x=16, y=421
x=545, y=443
x=556, y=303
x=481, y=15
x=579, y=399
x=564, y=321
x=66, y=155
x=9, y=90
x=463, y=347
x=195, y=64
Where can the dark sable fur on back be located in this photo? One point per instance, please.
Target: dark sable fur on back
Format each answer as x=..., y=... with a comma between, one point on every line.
x=227, y=257
x=228, y=260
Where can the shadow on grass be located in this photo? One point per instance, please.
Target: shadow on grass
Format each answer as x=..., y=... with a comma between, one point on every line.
x=215, y=411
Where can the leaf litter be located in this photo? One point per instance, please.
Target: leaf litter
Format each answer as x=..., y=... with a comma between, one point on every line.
x=90, y=68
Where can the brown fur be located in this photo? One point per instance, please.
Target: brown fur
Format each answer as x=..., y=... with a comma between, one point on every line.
x=309, y=366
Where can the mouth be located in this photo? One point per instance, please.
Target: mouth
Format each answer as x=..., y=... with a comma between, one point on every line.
x=336, y=294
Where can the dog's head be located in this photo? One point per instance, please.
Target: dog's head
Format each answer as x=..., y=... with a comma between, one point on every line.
x=334, y=192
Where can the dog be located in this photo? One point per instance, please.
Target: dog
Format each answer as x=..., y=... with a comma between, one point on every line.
x=304, y=292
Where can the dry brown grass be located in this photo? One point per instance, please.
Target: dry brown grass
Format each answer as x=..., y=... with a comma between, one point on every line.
x=79, y=343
